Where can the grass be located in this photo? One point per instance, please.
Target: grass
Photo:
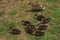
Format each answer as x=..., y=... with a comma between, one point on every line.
x=2, y=13
x=56, y=13
x=52, y=0
x=51, y=11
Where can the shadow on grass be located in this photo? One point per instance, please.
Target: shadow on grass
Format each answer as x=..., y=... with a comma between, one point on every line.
x=32, y=10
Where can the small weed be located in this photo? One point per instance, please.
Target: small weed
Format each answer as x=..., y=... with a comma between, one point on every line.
x=13, y=12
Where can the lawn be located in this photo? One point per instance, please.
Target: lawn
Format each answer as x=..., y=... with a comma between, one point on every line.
x=14, y=11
